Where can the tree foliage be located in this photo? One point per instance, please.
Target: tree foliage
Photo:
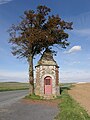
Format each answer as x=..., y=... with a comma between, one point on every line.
x=37, y=31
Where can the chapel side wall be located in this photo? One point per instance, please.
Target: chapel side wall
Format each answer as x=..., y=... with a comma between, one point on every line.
x=54, y=82
x=42, y=73
x=37, y=87
x=57, y=81
x=57, y=76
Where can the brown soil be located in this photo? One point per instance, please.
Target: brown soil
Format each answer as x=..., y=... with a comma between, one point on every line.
x=53, y=103
x=81, y=93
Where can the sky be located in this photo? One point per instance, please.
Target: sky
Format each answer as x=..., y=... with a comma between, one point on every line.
x=74, y=62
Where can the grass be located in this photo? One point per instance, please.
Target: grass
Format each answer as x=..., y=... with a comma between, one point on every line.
x=70, y=109
x=33, y=97
x=10, y=86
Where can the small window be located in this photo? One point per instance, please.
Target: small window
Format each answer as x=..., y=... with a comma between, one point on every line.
x=47, y=81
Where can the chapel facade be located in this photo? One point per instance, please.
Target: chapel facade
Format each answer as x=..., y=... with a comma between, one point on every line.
x=47, y=77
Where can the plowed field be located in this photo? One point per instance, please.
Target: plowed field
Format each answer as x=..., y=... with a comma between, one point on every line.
x=81, y=93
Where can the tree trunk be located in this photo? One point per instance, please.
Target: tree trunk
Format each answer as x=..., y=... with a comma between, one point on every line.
x=31, y=75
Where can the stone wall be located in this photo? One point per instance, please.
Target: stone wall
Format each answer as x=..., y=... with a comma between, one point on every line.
x=41, y=73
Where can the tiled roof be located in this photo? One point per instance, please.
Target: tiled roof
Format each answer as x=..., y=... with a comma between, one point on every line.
x=47, y=59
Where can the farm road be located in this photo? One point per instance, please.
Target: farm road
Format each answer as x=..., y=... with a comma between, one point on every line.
x=10, y=97
x=21, y=110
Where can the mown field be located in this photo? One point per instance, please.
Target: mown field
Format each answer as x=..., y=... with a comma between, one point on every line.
x=7, y=86
x=81, y=93
x=70, y=108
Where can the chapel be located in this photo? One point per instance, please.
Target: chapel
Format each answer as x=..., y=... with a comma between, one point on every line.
x=47, y=76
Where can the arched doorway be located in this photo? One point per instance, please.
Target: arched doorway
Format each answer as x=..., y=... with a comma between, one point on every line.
x=47, y=85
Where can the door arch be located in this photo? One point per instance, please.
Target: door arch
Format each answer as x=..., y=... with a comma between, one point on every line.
x=48, y=85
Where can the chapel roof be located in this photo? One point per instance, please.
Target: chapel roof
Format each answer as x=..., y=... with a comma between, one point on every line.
x=47, y=59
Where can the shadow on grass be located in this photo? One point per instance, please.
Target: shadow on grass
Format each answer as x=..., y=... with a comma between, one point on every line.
x=65, y=87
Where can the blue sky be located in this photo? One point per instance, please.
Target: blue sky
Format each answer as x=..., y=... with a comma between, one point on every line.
x=74, y=61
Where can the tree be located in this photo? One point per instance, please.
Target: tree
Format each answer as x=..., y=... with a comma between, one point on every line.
x=37, y=31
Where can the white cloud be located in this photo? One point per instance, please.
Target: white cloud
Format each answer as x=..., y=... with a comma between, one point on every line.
x=13, y=76
x=74, y=49
x=4, y=1
x=82, y=32
x=1, y=49
x=75, y=62
x=81, y=20
x=75, y=76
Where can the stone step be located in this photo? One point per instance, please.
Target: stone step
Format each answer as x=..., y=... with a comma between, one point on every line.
x=49, y=97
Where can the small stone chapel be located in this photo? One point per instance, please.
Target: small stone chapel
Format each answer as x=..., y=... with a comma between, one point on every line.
x=47, y=76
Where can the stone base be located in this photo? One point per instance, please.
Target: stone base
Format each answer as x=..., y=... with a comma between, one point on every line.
x=58, y=90
x=48, y=97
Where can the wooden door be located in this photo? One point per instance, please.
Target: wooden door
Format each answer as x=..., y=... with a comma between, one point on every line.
x=48, y=85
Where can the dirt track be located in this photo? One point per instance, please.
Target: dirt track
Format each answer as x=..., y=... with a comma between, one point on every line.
x=81, y=93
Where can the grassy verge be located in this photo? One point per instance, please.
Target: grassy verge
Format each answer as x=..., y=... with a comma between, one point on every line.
x=10, y=86
x=33, y=97
x=70, y=109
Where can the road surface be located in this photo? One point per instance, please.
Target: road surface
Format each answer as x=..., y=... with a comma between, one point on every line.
x=12, y=107
x=10, y=97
